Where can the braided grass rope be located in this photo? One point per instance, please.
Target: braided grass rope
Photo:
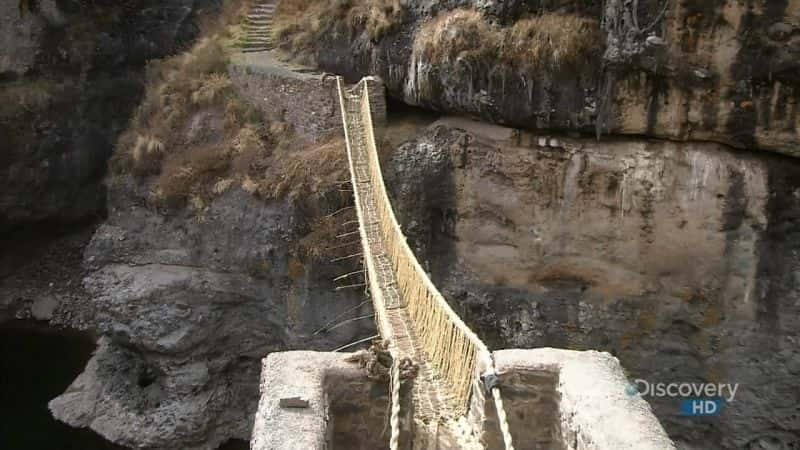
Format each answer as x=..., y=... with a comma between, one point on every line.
x=453, y=350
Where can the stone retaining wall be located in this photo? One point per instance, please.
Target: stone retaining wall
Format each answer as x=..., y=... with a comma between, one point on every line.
x=309, y=102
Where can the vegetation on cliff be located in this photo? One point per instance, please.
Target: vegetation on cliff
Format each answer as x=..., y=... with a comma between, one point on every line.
x=549, y=40
x=299, y=23
x=196, y=137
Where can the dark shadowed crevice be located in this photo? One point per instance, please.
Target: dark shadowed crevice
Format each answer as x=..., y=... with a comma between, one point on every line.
x=235, y=444
x=36, y=364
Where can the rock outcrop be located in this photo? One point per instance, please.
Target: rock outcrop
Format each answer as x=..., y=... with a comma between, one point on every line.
x=188, y=306
x=71, y=74
x=680, y=259
x=724, y=71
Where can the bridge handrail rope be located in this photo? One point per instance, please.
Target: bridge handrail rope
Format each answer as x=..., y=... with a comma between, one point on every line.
x=451, y=347
x=384, y=328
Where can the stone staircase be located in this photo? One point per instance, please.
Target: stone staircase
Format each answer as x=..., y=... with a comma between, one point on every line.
x=258, y=27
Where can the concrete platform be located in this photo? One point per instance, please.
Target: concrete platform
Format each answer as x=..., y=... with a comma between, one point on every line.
x=555, y=399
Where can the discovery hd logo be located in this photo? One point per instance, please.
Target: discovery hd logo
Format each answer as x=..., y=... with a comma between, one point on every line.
x=696, y=399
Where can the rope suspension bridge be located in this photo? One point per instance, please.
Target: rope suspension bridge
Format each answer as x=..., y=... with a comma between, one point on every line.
x=412, y=317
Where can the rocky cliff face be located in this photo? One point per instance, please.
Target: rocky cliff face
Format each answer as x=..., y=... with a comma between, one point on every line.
x=70, y=77
x=189, y=306
x=723, y=71
x=681, y=259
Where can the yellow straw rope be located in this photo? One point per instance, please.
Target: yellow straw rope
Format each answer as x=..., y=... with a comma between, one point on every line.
x=452, y=349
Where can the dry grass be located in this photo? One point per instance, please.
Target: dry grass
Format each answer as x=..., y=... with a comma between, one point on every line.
x=322, y=236
x=196, y=138
x=461, y=33
x=298, y=24
x=298, y=169
x=547, y=41
x=553, y=39
x=177, y=88
x=210, y=89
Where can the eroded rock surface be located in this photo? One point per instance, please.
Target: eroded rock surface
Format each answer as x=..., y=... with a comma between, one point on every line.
x=70, y=78
x=723, y=71
x=188, y=305
x=681, y=259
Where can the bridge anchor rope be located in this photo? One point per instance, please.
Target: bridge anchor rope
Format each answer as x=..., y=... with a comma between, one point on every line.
x=412, y=316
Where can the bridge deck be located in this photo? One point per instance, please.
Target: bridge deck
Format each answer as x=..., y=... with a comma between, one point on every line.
x=428, y=397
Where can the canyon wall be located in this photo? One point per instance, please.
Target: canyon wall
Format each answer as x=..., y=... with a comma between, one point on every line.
x=723, y=70
x=71, y=75
x=188, y=306
x=190, y=292
x=680, y=259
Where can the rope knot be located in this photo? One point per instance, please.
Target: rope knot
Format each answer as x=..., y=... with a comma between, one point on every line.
x=490, y=381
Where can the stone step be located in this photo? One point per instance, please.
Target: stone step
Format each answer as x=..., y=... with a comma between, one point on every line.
x=254, y=38
x=255, y=50
x=255, y=42
x=250, y=43
x=259, y=23
x=257, y=26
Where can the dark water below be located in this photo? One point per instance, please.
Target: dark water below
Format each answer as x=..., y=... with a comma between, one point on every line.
x=36, y=364
x=235, y=444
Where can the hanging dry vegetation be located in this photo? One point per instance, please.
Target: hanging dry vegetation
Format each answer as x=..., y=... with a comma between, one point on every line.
x=298, y=24
x=546, y=41
x=197, y=138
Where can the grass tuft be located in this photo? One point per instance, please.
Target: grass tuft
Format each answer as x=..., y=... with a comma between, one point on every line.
x=547, y=41
x=552, y=40
x=210, y=88
x=298, y=24
x=196, y=139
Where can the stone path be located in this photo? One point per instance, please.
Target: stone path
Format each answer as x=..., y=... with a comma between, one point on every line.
x=258, y=27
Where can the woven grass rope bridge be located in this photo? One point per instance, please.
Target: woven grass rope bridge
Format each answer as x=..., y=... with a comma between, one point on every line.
x=412, y=316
